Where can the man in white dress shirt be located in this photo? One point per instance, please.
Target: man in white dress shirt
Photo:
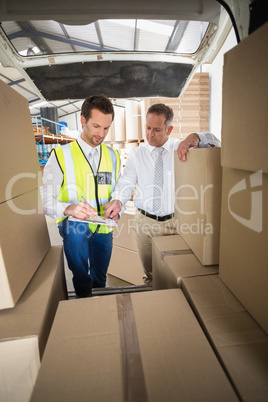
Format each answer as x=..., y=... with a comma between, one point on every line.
x=154, y=219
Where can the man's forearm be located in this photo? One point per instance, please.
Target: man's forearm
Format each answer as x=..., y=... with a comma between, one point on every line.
x=200, y=140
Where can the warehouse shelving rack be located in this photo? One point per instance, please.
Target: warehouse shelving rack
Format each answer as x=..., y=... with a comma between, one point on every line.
x=46, y=141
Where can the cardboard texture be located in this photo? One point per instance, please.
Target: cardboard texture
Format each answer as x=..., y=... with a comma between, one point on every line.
x=124, y=234
x=24, y=241
x=198, y=202
x=239, y=342
x=244, y=239
x=126, y=265
x=161, y=246
x=19, y=166
x=178, y=266
x=244, y=110
x=19, y=367
x=24, y=329
x=146, y=346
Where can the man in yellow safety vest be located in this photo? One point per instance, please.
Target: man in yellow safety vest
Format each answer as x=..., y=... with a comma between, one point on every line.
x=79, y=179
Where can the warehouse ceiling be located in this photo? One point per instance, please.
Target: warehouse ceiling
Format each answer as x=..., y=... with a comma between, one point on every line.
x=60, y=55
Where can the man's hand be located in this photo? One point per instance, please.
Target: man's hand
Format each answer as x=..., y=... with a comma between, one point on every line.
x=192, y=140
x=80, y=211
x=112, y=210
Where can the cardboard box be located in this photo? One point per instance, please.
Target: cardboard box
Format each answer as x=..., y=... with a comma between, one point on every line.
x=19, y=166
x=244, y=240
x=124, y=234
x=24, y=241
x=244, y=110
x=198, y=202
x=162, y=246
x=126, y=265
x=237, y=339
x=180, y=266
x=24, y=329
x=19, y=366
x=174, y=260
x=145, y=346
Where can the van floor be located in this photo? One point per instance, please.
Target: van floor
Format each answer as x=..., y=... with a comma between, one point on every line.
x=114, y=285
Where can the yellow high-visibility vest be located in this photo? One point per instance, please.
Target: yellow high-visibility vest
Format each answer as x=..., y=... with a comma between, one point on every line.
x=79, y=179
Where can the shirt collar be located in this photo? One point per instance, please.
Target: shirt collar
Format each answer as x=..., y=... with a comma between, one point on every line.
x=165, y=146
x=86, y=148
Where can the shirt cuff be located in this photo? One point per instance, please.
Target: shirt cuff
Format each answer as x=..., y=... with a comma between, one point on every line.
x=207, y=139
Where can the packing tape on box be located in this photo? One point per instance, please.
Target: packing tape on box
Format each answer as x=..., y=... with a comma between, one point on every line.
x=175, y=252
x=133, y=375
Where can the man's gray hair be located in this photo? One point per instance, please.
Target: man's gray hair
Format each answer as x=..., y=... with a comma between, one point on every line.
x=160, y=108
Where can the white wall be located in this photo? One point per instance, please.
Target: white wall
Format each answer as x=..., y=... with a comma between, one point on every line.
x=215, y=70
x=73, y=121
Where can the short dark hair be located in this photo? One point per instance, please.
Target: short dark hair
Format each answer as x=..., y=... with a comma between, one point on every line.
x=99, y=102
x=160, y=108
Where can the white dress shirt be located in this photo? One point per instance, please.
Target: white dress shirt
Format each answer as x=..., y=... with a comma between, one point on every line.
x=139, y=174
x=52, y=180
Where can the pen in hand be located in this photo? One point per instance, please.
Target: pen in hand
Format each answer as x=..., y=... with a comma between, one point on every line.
x=90, y=210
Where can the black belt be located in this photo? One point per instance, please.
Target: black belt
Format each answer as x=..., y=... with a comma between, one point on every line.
x=155, y=217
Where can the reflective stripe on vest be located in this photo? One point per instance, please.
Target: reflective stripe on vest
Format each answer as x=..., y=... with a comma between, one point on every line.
x=79, y=179
x=70, y=173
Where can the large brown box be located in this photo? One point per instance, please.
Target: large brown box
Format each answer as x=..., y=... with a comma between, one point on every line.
x=244, y=240
x=238, y=341
x=126, y=264
x=244, y=110
x=24, y=242
x=198, y=202
x=24, y=329
x=144, y=346
x=179, y=266
x=19, y=166
x=174, y=260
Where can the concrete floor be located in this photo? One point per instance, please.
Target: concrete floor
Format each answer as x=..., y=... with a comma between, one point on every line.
x=55, y=238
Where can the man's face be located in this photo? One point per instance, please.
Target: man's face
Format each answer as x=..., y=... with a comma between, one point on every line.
x=96, y=128
x=156, y=131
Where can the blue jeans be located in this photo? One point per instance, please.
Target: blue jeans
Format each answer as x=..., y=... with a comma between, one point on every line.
x=88, y=255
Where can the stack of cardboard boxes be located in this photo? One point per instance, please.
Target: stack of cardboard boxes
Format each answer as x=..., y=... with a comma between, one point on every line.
x=195, y=251
x=244, y=229
x=232, y=306
x=31, y=271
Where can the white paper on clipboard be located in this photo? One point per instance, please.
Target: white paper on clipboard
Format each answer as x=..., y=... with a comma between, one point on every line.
x=99, y=221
